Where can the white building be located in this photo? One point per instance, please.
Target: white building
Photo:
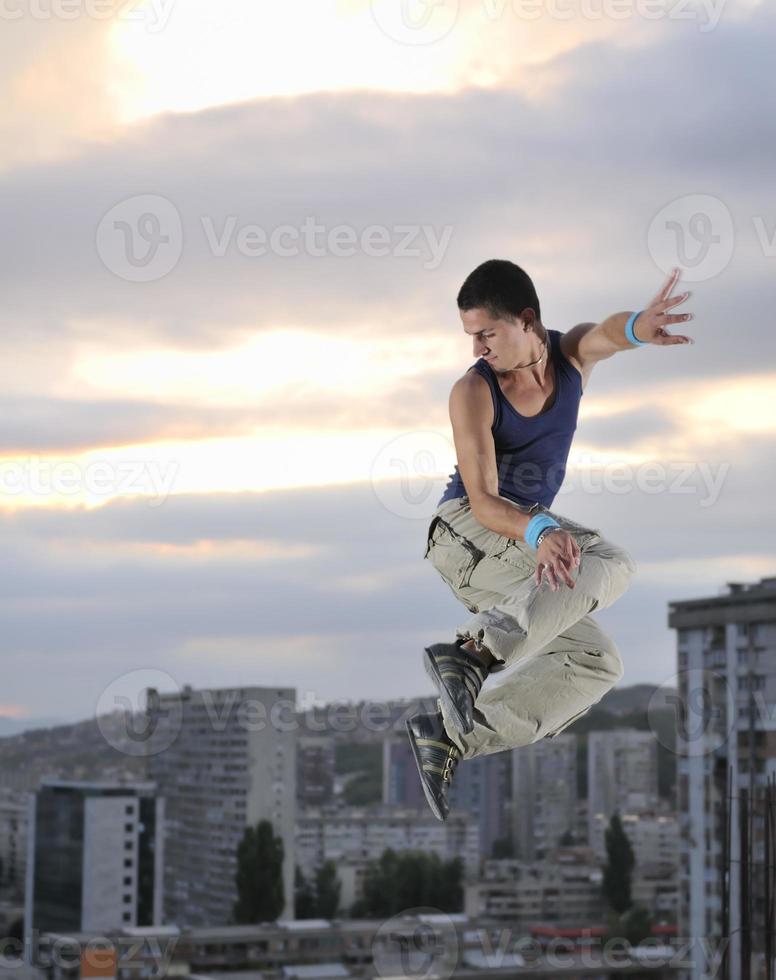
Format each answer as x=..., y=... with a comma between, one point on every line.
x=95, y=856
x=224, y=760
x=727, y=753
x=357, y=835
x=544, y=795
x=566, y=891
x=621, y=775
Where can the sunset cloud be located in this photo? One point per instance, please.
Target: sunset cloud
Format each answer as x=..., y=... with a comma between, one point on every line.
x=220, y=439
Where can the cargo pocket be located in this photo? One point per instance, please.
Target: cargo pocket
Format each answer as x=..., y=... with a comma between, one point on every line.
x=452, y=555
x=517, y=556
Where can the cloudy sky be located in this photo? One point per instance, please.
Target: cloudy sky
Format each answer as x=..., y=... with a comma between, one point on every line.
x=232, y=237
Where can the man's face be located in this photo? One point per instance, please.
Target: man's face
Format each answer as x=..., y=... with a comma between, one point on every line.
x=501, y=343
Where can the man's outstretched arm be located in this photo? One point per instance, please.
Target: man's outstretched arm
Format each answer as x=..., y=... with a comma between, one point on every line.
x=588, y=343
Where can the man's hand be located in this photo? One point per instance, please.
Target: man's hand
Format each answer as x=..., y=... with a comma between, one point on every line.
x=556, y=556
x=650, y=324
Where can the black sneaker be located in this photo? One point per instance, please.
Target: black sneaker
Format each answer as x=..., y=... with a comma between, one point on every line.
x=436, y=757
x=458, y=676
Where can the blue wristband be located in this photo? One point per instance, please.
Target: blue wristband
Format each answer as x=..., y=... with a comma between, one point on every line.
x=535, y=527
x=629, y=330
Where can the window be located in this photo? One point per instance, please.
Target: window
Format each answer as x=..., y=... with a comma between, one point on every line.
x=128, y=862
x=129, y=828
x=128, y=881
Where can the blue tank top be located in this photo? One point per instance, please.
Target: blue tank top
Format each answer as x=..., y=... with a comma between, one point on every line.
x=531, y=452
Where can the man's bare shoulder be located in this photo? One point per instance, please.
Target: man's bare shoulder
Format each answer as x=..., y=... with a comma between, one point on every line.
x=471, y=394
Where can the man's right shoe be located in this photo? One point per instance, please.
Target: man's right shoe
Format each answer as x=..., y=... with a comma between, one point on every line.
x=436, y=757
x=458, y=676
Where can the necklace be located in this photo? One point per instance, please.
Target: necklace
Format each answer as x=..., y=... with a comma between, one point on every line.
x=541, y=358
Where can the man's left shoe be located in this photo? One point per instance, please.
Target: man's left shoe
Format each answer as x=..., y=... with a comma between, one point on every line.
x=436, y=757
x=459, y=676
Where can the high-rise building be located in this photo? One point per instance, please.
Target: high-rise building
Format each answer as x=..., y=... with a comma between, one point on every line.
x=621, y=775
x=223, y=760
x=314, y=770
x=94, y=857
x=726, y=743
x=544, y=795
x=13, y=840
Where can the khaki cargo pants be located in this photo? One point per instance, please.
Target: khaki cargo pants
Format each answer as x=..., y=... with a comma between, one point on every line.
x=564, y=662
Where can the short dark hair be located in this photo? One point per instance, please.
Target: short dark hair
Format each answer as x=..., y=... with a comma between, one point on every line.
x=500, y=287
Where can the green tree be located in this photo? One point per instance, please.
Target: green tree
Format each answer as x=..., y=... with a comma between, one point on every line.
x=412, y=878
x=304, y=896
x=259, y=878
x=328, y=888
x=636, y=925
x=16, y=930
x=616, y=884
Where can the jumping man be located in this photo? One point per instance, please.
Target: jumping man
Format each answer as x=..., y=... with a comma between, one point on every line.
x=530, y=576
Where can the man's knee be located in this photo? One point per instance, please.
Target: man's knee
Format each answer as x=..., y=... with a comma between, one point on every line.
x=611, y=661
x=614, y=553
x=627, y=561
x=621, y=569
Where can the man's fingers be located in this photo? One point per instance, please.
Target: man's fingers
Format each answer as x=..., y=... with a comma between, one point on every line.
x=668, y=285
x=565, y=574
x=666, y=304
x=557, y=572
